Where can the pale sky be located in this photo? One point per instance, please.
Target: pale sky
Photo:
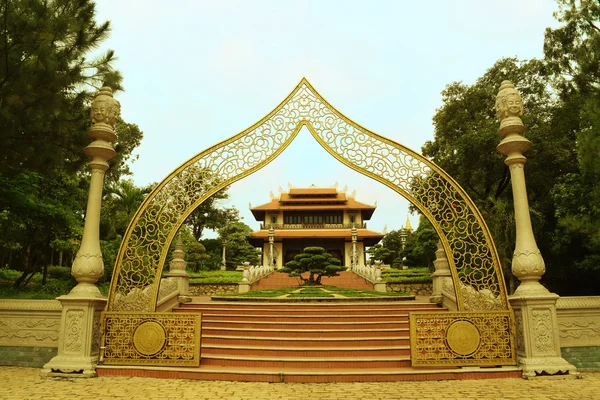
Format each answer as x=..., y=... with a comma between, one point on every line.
x=197, y=72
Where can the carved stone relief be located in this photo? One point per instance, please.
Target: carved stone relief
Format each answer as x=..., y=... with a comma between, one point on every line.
x=542, y=328
x=74, y=330
x=23, y=331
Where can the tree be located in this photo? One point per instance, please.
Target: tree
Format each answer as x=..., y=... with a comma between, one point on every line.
x=378, y=252
x=213, y=247
x=573, y=63
x=238, y=249
x=421, y=245
x=393, y=242
x=121, y=201
x=46, y=84
x=465, y=146
x=561, y=95
x=210, y=214
x=315, y=261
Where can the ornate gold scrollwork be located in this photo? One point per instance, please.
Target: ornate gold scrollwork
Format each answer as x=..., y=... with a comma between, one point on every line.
x=462, y=338
x=471, y=252
x=151, y=338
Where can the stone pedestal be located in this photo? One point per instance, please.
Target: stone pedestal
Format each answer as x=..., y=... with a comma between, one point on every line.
x=538, y=341
x=79, y=340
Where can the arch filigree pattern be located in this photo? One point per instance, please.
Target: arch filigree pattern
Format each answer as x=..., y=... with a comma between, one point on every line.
x=471, y=252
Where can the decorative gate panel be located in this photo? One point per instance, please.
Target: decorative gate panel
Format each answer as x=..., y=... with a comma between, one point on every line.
x=462, y=338
x=167, y=339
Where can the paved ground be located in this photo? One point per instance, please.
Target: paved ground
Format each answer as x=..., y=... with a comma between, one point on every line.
x=25, y=383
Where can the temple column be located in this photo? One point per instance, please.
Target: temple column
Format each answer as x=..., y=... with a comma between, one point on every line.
x=537, y=340
x=79, y=339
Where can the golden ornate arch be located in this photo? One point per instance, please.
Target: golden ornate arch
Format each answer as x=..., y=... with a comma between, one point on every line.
x=470, y=250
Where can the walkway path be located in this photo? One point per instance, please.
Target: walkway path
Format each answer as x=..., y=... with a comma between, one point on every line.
x=26, y=384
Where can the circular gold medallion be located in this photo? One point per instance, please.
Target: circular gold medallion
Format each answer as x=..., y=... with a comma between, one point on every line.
x=149, y=338
x=463, y=338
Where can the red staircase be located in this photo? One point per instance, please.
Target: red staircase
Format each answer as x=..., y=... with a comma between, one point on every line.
x=346, y=279
x=307, y=342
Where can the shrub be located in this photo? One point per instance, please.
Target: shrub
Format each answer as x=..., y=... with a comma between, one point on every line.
x=57, y=288
x=58, y=272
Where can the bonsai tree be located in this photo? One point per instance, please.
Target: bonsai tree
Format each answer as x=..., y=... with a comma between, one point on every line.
x=316, y=262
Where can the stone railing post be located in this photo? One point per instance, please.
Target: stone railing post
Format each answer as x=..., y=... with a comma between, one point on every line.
x=537, y=339
x=177, y=269
x=244, y=285
x=79, y=338
x=379, y=285
x=441, y=275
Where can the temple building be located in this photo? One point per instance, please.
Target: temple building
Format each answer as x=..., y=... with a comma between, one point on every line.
x=313, y=216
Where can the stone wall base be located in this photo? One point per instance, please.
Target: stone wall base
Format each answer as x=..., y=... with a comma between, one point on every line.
x=211, y=289
x=18, y=356
x=584, y=358
x=416, y=289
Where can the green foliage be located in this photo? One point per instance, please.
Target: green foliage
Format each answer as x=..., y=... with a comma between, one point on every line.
x=216, y=277
x=393, y=242
x=46, y=84
x=316, y=262
x=210, y=215
x=58, y=272
x=411, y=275
x=213, y=247
x=378, y=252
x=561, y=95
x=421, y=245
x=238, y=249
x=7, y=274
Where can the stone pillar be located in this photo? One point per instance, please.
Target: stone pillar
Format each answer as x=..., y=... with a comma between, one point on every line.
x=441, y=276
x=354, y=233
x=271, y=247
x=224, y=255
x=177, y=269
x=78, y=343
x=538, y=346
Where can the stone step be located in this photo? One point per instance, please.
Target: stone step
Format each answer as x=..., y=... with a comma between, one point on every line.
x=399, y=317
x=293, y=307
x=304, y=333
x=245, y=350
x=325, y=313
x=305, y=362
x=292, y=342
x=349, y=326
